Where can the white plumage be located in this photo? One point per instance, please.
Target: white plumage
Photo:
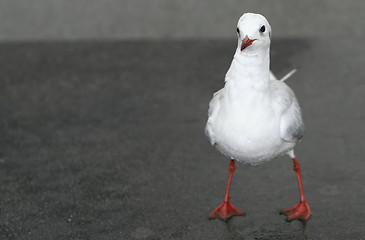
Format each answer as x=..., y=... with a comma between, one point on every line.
x=255, y=117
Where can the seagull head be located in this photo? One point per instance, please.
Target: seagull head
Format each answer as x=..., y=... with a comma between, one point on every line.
x=253, y=32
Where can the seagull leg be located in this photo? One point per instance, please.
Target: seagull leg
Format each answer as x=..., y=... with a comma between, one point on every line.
x=226, y=210
x=301, y=210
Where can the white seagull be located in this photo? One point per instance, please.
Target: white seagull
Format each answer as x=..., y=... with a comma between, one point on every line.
x=255, y=117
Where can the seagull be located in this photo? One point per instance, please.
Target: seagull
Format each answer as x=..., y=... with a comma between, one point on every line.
x=255, y=117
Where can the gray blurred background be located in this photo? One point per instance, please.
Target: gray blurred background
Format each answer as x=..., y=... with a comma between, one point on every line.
x=102, y=138
x=168, y=19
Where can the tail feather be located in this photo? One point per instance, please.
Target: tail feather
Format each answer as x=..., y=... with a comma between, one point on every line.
x=288, y=75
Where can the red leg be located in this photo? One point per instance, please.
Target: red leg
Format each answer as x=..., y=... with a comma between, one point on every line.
x=226, y=210
x=301, y=210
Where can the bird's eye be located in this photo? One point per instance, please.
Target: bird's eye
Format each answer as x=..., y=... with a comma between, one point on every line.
x=238, y=30
x=262, y=29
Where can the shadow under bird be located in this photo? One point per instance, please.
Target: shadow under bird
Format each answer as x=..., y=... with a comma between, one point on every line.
x=255, y=117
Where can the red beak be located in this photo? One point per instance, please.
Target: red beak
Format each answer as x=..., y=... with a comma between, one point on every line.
x=246, y=42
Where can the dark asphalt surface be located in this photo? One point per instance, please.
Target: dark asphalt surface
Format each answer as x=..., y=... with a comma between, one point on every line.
x=105, y=140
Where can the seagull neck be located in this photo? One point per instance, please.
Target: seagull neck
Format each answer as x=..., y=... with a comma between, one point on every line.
x=252, y=70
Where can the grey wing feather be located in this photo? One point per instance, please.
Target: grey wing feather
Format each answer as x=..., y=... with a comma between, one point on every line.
x=291, y=122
